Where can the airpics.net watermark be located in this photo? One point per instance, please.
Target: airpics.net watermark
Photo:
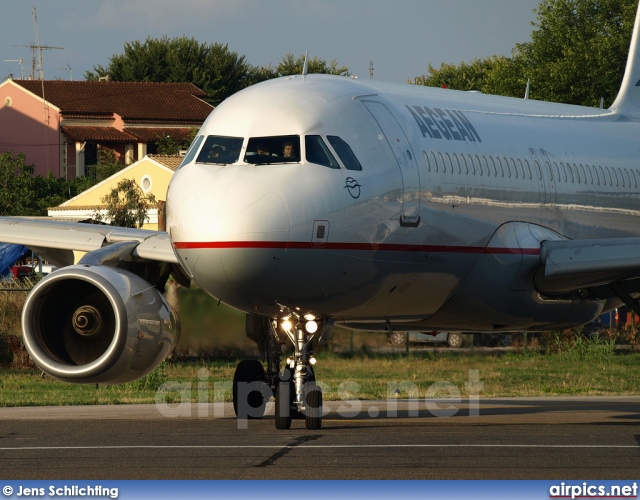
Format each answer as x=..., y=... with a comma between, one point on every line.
x=440, y=399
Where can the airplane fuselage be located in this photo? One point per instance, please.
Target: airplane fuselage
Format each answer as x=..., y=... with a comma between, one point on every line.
x=443, y=209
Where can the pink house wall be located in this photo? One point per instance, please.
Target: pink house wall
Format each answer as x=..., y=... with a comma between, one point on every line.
x=28, y=126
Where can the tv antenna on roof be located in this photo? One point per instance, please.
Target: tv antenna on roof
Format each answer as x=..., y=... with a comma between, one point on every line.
x=36, y=63
x=68, y=69
x=21, y=65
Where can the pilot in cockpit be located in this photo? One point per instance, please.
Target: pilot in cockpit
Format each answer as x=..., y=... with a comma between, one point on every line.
x=262, y=149
x=215, y=151
x=288, y=150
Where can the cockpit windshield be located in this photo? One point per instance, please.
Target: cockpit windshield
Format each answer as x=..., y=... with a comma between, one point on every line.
x=220, y=150
x=274, y=149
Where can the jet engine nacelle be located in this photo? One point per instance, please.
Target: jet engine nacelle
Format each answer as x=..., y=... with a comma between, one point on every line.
x=90, y=324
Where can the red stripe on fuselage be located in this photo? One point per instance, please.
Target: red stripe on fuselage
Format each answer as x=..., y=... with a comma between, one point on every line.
x=297, y=245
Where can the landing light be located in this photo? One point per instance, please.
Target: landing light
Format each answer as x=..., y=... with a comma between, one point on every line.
x=311, y=327
x=286, y=325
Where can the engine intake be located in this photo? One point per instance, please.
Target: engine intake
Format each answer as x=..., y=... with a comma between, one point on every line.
x=97, y=324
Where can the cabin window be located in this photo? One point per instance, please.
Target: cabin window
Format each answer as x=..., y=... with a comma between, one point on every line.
x=550, y=170
x=584, y=174
x=590, y=171
x=634, y=176
x=317, y=152
x=434, y=161
x=514, y=168
x=344, y=152
x=606, y=169
x=521, y=167
x=448, y=164
x=463, y=162
x=191, y=152
x=570, y=173
x=557, y=170
x=456, y=163
x=426, y=161
x=615, y=175
x=478, y=164
x=626, y=176
x=273, y=149
x=220, y=150
x=495, y=169
x=576, y=173
x=526, y=163
x=472, y=167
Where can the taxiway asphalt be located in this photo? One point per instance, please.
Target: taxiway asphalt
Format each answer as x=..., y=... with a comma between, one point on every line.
x=503, y=438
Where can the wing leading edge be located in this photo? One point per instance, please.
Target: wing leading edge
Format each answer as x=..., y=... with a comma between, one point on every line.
x=570, y=265
x=56, y=241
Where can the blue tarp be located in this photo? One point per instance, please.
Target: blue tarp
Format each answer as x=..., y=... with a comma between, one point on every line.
x=9, y=254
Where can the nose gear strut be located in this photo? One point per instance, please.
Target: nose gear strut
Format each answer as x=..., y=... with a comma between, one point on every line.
x=297, y=394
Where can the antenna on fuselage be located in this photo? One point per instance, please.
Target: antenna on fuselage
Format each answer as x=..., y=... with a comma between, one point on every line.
x=526, y=92
x=305, y=66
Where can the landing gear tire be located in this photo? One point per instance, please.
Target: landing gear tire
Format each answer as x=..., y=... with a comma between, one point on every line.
x=249, y=371
x=454, y=339
x=313, y=404
x=283, y=405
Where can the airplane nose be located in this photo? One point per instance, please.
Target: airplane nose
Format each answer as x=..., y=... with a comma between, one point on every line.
x=233, y=232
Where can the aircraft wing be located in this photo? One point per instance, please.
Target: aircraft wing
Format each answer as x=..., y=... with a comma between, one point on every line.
x=55, y=241
x=570, y=265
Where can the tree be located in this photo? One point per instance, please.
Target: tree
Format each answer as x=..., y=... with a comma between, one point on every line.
x=16, y=185
x=126, y=205
x=292, y=66
x=213, y=68
x=577, y=54
x=578, y=50
x=465, y=76
x=167, y=145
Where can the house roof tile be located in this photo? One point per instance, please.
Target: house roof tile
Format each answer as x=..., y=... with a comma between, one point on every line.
x=106, y=134
x=172, y=162
x=153, y=134
x=133, y=101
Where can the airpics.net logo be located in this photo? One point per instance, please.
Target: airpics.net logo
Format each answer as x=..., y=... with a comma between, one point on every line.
x=587, y=490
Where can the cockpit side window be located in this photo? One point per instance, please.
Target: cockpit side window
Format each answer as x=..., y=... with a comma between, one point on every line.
x=275, y=149
x=344, y=152
x=220, y=150
x=318, y=152
x=191, y=153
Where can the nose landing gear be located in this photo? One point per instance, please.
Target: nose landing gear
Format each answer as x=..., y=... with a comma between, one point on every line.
x=297, y=396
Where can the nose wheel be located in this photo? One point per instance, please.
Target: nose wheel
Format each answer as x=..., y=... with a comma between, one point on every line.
x=297, y=394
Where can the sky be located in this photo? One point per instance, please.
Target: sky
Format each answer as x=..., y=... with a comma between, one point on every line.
x=401, y=37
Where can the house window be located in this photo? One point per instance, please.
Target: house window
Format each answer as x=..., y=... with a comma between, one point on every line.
x=90, y=153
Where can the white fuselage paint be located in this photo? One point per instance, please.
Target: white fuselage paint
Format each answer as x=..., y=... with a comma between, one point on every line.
x=442, y=226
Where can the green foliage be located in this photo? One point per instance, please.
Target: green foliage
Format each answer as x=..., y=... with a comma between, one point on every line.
x=472, y=76
x=292, y=66
x=215, y=69
x=6, y=356
x=126, y=205
x=167, y=145
x=22, y=193
x=108, y=164
x=578, y=50
x=577, y=347
x=577, y=55
x=211, y=67
x=16, y=185
x=151, y=382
